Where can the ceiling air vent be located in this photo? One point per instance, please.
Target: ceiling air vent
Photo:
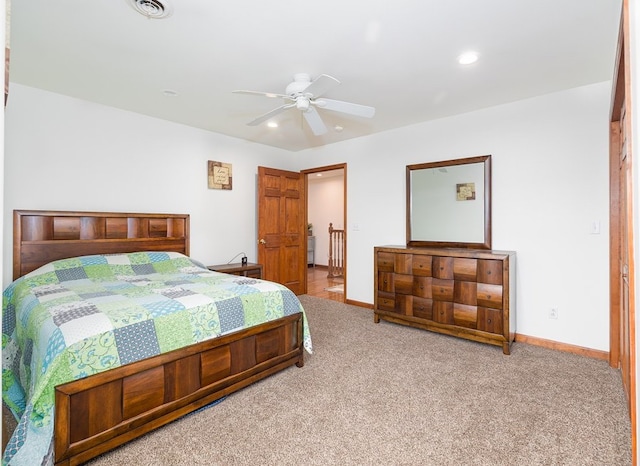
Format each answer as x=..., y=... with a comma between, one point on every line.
x=152, y=9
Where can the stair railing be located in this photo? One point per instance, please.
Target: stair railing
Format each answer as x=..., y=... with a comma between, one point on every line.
x=336, y=252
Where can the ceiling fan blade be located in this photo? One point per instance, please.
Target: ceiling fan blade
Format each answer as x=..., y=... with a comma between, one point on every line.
x=346, y=107
x=320, y=85
x=315, y=122
x=263, y=94
x=271, y=114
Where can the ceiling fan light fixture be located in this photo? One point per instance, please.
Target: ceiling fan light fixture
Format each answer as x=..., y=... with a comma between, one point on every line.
x=152, y=9
x=302, y=103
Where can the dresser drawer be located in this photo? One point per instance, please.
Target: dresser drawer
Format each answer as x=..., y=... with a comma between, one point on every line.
x=385, y=281
x=490, y=320
x=421, y=265
x=403, y=264
x=422, y=286
x=465, y=315
x=442, y=290
x=386, y=261
x=465, y=292
x=443, y=312
x=490, y=295
x=386, y=301
x=423, y=308
x=402, y=284
x=465, y=269
x=442, y=267
x=490, y=271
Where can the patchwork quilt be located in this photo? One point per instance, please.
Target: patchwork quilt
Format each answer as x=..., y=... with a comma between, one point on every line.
x=76, y=317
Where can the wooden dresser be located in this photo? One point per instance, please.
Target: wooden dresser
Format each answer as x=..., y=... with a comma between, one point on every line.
x=467, y=293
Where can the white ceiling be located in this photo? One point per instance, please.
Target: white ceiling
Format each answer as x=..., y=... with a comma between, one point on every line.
x=399, y=57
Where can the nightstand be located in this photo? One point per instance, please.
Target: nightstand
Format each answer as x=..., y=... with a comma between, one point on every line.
x=249, y=270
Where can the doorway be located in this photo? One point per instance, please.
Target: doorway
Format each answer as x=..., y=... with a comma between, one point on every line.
x=326, y=189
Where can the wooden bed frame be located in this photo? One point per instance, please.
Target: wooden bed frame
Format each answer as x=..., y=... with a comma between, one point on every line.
x=105, y=410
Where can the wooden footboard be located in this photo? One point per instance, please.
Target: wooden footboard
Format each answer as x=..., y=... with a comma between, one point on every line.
x=103, y=411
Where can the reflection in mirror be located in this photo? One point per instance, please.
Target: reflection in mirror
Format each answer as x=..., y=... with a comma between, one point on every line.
x=449, y=203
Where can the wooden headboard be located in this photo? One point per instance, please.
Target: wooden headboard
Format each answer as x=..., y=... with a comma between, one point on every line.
x=41, y=236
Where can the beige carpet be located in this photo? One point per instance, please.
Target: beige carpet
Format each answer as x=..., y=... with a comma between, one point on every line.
x=387, y=394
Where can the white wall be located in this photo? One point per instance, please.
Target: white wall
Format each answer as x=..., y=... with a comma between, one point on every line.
x=550, y=181
x=325, y=205
x=68, y=154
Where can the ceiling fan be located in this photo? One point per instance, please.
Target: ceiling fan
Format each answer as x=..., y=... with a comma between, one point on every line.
x=306, y=95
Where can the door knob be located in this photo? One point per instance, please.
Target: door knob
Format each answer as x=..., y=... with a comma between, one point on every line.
x=262, y=241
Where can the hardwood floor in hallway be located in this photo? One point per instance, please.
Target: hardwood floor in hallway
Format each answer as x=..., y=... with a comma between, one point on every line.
x=318, y=282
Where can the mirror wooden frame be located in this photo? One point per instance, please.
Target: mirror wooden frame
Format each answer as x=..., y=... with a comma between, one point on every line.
x=427, y=242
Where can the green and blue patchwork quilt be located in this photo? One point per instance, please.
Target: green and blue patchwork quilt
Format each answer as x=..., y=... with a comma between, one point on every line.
x=76, y=317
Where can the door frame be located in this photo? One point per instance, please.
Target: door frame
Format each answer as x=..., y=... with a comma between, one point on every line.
x=326, y=168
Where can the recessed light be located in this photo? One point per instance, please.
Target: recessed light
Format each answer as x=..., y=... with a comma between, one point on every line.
x=272, y=124
x=338, y=128
x=170, y=93
x=468, y=58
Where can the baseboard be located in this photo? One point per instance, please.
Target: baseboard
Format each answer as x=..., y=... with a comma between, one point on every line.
x=558, y=346
x=358, y=303
x=520, y=338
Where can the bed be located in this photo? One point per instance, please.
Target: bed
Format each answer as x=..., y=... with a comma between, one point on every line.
x=110, y=331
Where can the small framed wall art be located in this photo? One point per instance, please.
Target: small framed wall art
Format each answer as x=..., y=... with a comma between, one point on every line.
x=219, y=175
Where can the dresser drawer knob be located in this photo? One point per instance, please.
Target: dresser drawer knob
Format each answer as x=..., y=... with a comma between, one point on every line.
x=488, y=321
x=488, y=296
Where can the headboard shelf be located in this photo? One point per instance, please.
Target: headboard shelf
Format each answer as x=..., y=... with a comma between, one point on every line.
x=41, y=236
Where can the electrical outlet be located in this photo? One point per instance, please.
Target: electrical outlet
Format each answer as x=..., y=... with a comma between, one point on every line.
x=553, y=313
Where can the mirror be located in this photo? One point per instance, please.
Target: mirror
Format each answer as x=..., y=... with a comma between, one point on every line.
x=449, y=203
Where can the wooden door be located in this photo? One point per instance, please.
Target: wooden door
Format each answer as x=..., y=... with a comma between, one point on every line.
x=622, y=353
x=282, y=230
